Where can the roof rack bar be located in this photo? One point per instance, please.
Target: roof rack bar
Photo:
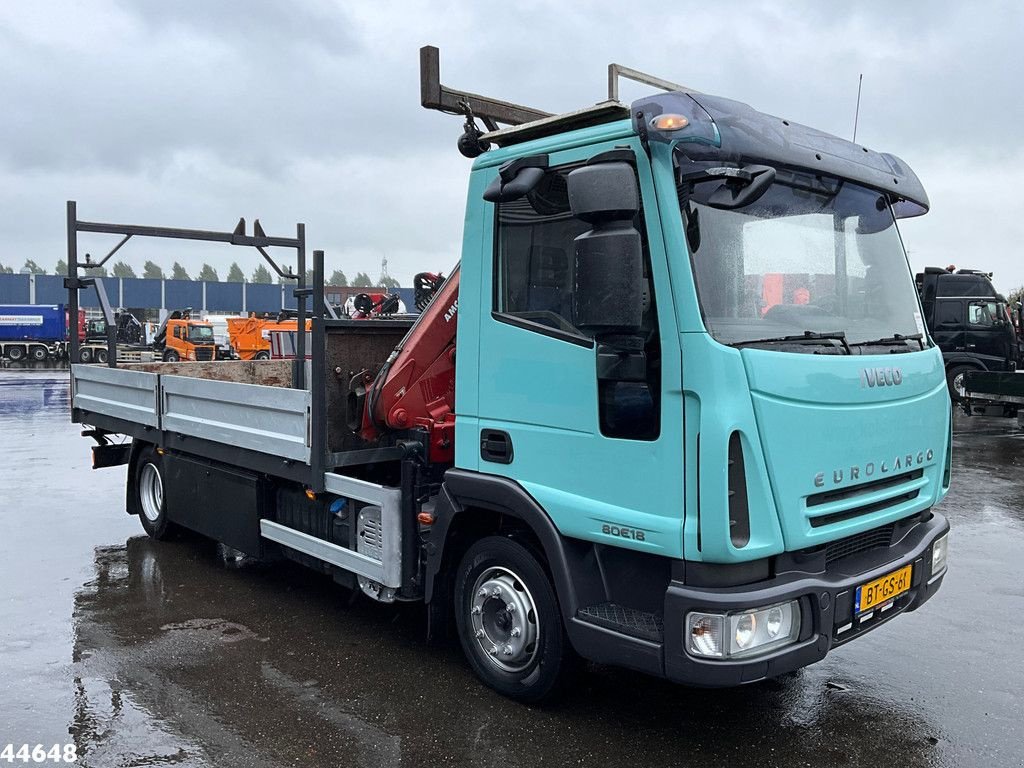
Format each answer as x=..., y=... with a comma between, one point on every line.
x=615, y=71
x=433, y=95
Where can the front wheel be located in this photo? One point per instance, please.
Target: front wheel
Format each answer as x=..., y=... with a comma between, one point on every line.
x=261, y=355
x=955, y=381
x=508, y=620
x=170, y=356
x=85, y=355
x=101, y=356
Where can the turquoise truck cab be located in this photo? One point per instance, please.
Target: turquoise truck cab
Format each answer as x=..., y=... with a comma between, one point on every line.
x=746, y=478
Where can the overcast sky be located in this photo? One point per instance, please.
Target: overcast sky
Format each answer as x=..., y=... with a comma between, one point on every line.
x=195, y=112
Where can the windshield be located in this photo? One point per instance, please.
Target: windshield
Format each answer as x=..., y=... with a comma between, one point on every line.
x=812, y=258
x=200, y=334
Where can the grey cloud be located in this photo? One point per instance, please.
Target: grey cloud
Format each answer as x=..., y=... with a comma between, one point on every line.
x=193, y=113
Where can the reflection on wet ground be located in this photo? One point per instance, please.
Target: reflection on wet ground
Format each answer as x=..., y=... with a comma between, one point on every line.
x=146, y=653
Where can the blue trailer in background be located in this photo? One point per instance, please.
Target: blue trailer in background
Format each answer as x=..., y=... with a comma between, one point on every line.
x=36, y=331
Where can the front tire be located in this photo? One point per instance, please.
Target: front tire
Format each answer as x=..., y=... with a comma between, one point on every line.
x=955, y=381
x=508, y=620
x=150, y=487
x=170, y=356
x=85, y=355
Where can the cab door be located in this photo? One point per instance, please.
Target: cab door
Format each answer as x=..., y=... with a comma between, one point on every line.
x=987, y=333
x=948, y=330
x=604, y=463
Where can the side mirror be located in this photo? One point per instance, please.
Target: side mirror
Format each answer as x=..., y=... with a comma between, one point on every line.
x=608, y=275
x=516, y=178
x=740, y=187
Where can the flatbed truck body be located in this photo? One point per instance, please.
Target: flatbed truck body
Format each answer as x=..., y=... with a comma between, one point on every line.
x=635, y=457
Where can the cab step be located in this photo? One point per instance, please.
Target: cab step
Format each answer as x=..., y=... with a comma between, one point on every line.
x=628, y=621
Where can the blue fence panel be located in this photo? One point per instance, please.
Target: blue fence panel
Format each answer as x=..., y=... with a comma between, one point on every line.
x=140, y=293
x=14, y=289
x=50, y=289
x=260, y=297
x=290, y=302
x=224, y=297
x=179, y=294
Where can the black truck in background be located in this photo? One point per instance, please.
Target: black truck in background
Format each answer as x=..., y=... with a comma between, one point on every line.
x=970, y=321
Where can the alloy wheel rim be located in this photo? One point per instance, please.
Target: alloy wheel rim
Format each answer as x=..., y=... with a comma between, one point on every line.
x=151, y=490
x=504, y=620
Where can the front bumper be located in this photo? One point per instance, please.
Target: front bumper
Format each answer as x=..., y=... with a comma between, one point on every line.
x=826, y=605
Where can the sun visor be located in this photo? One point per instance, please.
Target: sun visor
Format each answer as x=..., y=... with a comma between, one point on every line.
x=724, y=130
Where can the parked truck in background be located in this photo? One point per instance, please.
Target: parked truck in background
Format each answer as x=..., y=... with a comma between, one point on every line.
x=250, y=336
x=180, y=337
x=630, y=458
x=35, y=331
x=969, y=321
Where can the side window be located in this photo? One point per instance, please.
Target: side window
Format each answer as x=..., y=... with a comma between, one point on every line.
x=534, y=280
x=949, y=313
x=983, y=313
x=534, y=265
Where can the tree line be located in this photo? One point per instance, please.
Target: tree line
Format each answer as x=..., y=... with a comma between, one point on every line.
x=153, y=271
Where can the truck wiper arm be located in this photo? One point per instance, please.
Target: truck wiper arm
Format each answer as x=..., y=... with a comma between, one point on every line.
x=839, y=336
x=896, y=338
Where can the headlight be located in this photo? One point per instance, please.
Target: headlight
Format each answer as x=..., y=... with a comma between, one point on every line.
x=743, y=633
x=940, y=549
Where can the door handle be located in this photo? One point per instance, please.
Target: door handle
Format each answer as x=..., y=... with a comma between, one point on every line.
x=495, y=446
x=972, y=346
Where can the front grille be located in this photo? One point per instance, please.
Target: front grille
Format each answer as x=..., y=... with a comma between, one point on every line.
x=204, y=353
x=852, y=492
x=859, y=542
x=866, y=509
x=856, y=490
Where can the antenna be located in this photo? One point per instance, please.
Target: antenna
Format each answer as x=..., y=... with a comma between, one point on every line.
x=856, y=114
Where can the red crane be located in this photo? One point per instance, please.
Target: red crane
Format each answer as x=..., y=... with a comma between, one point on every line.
x=416, y=386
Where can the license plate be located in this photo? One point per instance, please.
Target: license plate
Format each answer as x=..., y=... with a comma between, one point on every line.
x=882, y=590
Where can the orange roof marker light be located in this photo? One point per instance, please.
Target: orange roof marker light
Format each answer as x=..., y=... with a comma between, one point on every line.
x=669, y=122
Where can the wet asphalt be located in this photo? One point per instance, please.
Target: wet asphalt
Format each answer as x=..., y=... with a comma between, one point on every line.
x=150, y=654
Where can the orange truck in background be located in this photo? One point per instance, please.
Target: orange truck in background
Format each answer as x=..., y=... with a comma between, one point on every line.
x=249, y=335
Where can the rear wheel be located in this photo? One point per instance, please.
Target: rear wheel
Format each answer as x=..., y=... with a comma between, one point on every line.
x=39, y=354
x=16, y=353
x=170, y=356
x=101, y=356
x=149, y=484
x=508, y=620
x=955, y=381
x=85, y=355
x=261, y=355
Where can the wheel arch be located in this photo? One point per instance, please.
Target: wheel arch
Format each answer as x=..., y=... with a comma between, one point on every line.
x=956, y=361
x=472, y=505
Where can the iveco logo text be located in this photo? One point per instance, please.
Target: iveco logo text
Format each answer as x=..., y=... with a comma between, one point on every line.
x=881, y=377
x=856, y=472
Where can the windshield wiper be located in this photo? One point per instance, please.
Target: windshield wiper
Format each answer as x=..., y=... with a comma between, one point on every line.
x=896, y=338
x=839, y=336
